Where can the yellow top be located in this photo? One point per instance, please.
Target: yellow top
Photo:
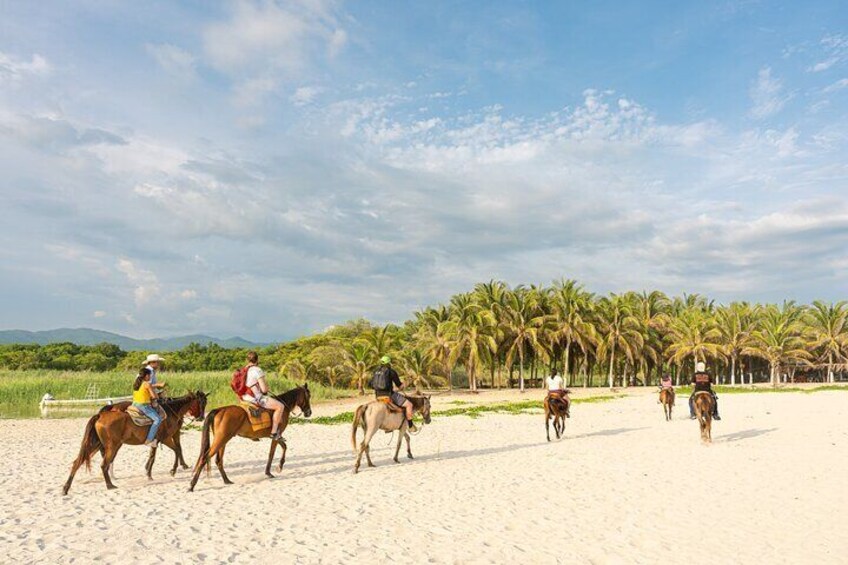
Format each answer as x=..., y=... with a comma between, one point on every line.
x=143, y=395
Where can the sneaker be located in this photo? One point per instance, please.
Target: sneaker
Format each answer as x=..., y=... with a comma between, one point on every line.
x=154, y=443
x=716, y=417
x=693, y=418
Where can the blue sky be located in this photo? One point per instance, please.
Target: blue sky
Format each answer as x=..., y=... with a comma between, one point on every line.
x=270, y=168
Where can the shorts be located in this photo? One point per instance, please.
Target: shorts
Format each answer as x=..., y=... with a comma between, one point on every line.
x=397, y=398
x=262, y=401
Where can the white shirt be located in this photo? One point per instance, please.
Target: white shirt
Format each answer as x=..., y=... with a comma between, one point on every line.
x=555, y=383
x=254, y=373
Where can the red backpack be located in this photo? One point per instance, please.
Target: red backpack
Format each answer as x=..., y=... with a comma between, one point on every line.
x=239, y=382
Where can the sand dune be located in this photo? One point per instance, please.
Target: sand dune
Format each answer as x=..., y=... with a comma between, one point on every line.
x=622, y=486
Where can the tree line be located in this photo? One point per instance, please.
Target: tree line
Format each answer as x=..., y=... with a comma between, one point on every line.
x=500, y=336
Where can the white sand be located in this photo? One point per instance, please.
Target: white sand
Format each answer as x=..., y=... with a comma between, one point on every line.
x=623, y=486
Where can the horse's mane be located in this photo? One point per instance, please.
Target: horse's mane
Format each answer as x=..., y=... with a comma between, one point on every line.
x=289, y=398
x=417, y=401
x=174, y=405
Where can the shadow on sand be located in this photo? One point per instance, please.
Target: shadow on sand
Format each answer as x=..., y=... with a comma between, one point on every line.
x=745, y=434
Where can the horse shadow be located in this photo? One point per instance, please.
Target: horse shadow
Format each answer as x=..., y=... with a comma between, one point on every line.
x=613, y=432
x=746, y=434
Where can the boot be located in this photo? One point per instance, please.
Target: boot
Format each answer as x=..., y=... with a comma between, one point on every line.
x=411, y=425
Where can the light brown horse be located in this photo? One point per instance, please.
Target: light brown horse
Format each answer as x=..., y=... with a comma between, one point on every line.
x=704, y=407
x=556, y=408
x=108, y=430
x=230, y=421
x=667, y=400
x=173, y=441
x=376, y=415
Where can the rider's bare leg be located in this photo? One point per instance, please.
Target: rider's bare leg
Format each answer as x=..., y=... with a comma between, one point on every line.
x=407, y=406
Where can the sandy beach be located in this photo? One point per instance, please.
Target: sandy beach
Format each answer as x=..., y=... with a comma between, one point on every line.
x=623, y=486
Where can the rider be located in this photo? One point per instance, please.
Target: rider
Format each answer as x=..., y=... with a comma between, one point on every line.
x=702, y=381
x=144, y=397
x=556, y=390
x=258, y=395
x=392, y=379
x=153, y=362
x=666, y=384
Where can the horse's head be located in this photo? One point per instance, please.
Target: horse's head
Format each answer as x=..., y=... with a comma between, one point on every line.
x=303, y=400
x=197, y=407
x=425, y=409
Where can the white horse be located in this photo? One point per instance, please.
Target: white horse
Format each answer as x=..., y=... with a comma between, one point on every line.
x=377, y=415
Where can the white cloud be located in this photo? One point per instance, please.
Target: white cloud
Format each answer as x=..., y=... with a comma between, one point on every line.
x=767, y=95
x=147, y=287
x=188, y=294
x=305, y=95
x=99, y=314
x=14, y=70
x=836, y=86
x=174, y=60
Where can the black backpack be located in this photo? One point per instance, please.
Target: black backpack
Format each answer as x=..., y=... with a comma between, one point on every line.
x=381, y=380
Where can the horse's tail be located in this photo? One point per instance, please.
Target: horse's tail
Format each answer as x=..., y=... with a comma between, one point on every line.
x=205, y=442
x=357, y=421
x=90, y=442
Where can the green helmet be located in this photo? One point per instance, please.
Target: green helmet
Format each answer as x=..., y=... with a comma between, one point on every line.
x=385, y=359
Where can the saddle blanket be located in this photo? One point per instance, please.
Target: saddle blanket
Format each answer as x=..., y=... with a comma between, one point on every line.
x=389, y=404
x=260, y=418
x=139, y=418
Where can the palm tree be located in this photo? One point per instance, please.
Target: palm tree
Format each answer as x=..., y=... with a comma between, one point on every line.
x=358, y=360
x=418, y=366
x=571, y=311
x=734, y=324
x=619, y=330
x=778, y=339
x=650, y=309
x=470, y=330
x=828, y=332
x=524, y=326
x=692, y=334
x=382, y=340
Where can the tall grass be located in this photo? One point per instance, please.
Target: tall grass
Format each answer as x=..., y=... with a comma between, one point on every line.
x=21, y=391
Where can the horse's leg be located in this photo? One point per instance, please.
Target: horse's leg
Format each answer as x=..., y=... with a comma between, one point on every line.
x=399, y=441
x=547, y=421
x=283, y=455
x=270, y=459
x=219, y=461
x=363, y=448
x=178, y=452
x=108, y=457
x=408, y=448
x=149, y=465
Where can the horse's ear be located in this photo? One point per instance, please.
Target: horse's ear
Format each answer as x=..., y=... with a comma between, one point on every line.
x=306, y=386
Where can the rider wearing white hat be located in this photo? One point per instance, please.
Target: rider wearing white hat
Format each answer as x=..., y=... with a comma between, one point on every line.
x=152, y=362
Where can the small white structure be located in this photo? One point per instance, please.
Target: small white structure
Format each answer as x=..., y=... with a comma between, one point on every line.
x=49, y=403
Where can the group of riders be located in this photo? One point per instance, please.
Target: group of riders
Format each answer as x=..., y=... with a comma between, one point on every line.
x=385, y=382
x=701, y=382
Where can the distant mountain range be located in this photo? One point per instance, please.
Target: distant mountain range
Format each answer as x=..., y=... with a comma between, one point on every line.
x=88, y=336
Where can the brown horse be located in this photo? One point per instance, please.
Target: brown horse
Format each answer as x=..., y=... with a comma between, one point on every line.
x=108, y=430
x=704, y=407
x=556, y=407
x=376, y=415
x=173, y=441
x=230, y=421
x=667, y=400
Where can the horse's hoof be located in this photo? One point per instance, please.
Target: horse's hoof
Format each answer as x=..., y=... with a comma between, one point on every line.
x=409, y=456
x=229, y=482
x=111, y=487
x=174, y=473
x=270, y=476
x=184, y=466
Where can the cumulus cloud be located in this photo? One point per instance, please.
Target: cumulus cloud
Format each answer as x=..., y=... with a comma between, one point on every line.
x=175, y=61
x=305, y=95
x=146, y=283
x=13, y=70
x=767, y=95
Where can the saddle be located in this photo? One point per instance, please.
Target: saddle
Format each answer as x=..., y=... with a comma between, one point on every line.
x=259, y=417
x=139, y=418
x=389, y=404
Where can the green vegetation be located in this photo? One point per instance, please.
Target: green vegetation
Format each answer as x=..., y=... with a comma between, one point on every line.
x=21, y=391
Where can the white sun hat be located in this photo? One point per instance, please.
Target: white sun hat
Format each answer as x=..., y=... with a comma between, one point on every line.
x=153, y=357
x=700, y=367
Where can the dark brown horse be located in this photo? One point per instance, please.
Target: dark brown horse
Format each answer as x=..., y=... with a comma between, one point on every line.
x=108, y=430
x=667, y=400
x=230, y=421
x=704, y=407
x=556, y=408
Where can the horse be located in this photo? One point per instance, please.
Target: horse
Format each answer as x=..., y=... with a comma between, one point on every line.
x=377, y=415
x=230, y=421
x=173, y=441
x=704, y=407
x=667, y=400
x=556, y=408
x=108, y=430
